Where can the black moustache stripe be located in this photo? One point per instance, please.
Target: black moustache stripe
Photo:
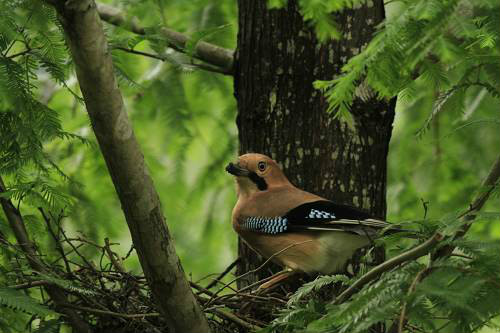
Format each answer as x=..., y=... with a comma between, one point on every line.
x=259, y=181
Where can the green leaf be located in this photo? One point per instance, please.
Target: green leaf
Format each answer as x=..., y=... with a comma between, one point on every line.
x=276, y=4
x=49, y=326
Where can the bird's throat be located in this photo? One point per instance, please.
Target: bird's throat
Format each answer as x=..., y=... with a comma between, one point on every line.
x=258, y=181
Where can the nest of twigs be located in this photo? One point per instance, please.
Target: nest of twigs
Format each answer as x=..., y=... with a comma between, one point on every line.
x=114, y=300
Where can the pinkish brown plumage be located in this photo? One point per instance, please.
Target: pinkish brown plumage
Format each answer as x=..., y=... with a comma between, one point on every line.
x=271, y=216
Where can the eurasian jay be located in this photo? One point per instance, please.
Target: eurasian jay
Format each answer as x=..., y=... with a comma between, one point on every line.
x=300, y=231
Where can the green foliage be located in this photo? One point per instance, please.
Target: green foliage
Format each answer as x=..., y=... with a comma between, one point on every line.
x=316, y=285
x=186, y=118
x=49, y=326
x=446, y=47
x=198, y=36
x=321, y=15
x=32, y=46
x=439, y=57
x=460, y=293
x=49, y=157
x=16, y=300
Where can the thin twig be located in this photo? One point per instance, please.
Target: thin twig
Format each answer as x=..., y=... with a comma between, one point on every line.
x=261, y=266
x=112, y=313
x=136, y=52
x=262, y=281
x=418, y=278
x=31, y=284
x=57, y=240
x=115, y=259
x=224, y=273
x=262, y=298
x=235, y=319
x=86, y=241
x=201, y=290
x=91, y=266
x=129, y=252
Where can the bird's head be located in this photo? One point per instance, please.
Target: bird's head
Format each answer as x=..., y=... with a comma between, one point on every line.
x=256, y=172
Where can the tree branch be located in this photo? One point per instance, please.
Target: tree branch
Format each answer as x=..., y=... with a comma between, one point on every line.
x=209, y=53
x=412, y=254
x=235, y=319
x=469, y=215
x=113, y=257
x=124, y=159
x=490, y=182
x=57, y=294
x=112, y=313
x=221, y=275
x=205, y=67
x=32, y=284
x=486, y=189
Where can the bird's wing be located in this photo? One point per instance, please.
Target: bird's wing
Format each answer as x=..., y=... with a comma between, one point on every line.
x=321, y=215
x=328, y=215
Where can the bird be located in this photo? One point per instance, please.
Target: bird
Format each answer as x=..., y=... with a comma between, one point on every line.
x=300, y=231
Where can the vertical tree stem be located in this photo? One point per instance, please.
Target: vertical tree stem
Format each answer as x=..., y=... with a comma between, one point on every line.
x=139, y=200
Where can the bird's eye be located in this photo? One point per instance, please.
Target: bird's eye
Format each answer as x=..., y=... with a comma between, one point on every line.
x=261, y=166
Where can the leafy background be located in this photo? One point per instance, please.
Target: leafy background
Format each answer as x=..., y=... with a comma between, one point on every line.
x=445, y=136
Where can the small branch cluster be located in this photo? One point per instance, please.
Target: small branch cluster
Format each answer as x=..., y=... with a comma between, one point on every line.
x=111, y=297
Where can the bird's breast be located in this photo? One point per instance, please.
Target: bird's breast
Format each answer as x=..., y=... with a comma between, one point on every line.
x=310, y=252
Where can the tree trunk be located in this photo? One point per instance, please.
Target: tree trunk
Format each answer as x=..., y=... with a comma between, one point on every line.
x=280, y=114
x=125, y=162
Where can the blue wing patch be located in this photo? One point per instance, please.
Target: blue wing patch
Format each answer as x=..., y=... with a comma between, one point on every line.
x=267, y=225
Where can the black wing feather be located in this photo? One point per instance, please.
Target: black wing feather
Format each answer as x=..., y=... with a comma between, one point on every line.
x=328, y=215
x=303, y=214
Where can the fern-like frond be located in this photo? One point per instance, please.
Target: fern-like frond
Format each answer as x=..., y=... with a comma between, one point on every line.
x=316, y=285
x=16, y=300
x=414, y=47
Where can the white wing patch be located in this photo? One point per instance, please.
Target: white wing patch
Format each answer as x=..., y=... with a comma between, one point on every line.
x=319, y=214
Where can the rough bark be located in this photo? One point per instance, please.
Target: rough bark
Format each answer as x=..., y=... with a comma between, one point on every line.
x=125, y=162
x=56, y=294
x=280, y=113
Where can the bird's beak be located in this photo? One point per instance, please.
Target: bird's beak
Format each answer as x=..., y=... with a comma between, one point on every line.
x=236, y=170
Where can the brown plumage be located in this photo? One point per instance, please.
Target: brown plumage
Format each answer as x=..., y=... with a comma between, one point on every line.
x=320, y=243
